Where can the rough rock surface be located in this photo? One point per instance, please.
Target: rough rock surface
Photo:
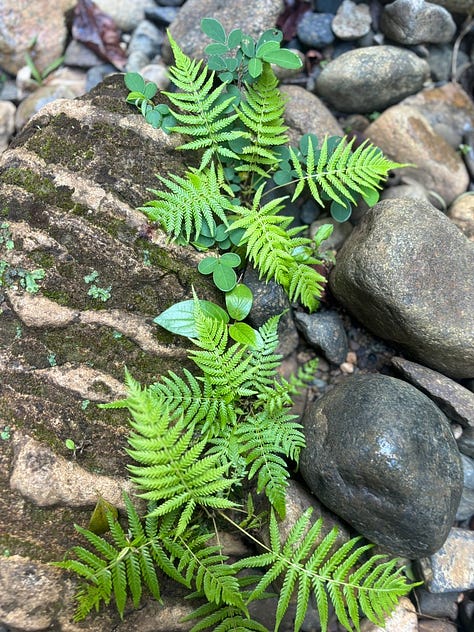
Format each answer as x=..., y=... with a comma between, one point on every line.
x=406, y=273
x=381, y=456
x=417, y=22
x=69, y=187
x=351, y=84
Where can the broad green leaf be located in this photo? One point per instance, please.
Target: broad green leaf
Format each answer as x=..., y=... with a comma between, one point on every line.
x=282, y=177
x=168, y=123
x=371, y=196
x=179, y=318
x=70, y=445
x=231, y=64
x=234, y=39
x=224, y=277
x=134, y=82
x=255, y=67
x=226, y=77
x=154, y=118
x=266, y=48
x=283, y=57
x=98, y=522
x=207, y=265
x=248, y=46
x=215, y=62
x=239, y=301
x=236, y=235
x=270, y=35
x=216, y=49
x=213, y=29
x=150, y=90
x=162, y=108
x=230, y=259
x=339, y=212
x=304, y=143
x=221, y=232
x=245, y=335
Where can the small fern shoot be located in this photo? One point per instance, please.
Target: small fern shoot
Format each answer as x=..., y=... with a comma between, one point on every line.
x=201, y=108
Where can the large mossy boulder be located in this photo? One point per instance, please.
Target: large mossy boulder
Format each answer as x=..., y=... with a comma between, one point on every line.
x=70, y=185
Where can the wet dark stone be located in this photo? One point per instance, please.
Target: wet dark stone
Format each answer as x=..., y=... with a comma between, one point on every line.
x=381, y=455
x=325, y=331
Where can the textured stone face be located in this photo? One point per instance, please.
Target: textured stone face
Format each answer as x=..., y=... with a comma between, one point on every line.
x=382, y=456
x=406, y=273
x=69, y=187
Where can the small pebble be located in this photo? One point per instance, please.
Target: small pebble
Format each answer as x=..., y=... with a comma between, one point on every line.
x=347, y=368
x=314, y=30
x=351, y=357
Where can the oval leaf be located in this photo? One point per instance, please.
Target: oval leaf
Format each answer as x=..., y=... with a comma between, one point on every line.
x=267, y=48
x=134, y=82
x=230, y=259
x=245, y=335
x=339, y=212
x=235, y=37
x=154, y=118
x=213, y=29
x=224, y=277
x=239, y=301
x=282, y=57
x=150, y=90
x=255, y=67
x=216, y=49
x=179, y=318
x=207, y=265
x=371, y=196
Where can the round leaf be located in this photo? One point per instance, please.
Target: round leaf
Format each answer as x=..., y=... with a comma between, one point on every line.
x=134, y=82
x=267, y=48
x=235, y=37
x=154, y=118
x=282, y=177
x=179, y=318
x=70, y=445
x=207, y=265
x=216, y=49
x=213, y=29
x=239, y=301
x=236, y=235
x=371, y=196
x=245, y=335
x=215, y=62
x=230, y=259
x=221, y=232
x=224, y=277
x=150, y=90
x=339, y=212
x=270, y=35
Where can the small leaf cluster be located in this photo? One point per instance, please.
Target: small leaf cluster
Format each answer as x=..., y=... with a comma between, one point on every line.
x=16, y=275
x=238, y=57
x=141, y=95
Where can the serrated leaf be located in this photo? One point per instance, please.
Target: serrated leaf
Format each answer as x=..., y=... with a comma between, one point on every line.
x=239, y=301
x=134, y=82
x=213, y=29
x=179, y=318
x=245, y=335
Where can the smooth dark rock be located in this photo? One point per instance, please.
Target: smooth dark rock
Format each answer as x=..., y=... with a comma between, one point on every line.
x=406, y=273
x=466, y=442
x=434, y=605
x=325, y=331
x=161, y=15
x=270, y=299
x=382, y=456
x=417, y=22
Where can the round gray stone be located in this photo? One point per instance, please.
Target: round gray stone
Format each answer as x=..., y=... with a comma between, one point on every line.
x=371, y=78
x=405, y=272
x=382, y=456
x=417, y=22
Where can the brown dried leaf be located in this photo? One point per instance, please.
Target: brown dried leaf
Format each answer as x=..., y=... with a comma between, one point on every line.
x=97, y=30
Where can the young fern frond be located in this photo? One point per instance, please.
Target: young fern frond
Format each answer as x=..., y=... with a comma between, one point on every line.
x=202, y=108
x=189, y=201
x=261, y=111
x=119, y=568
x=341, y=173
x=272, y=248
x=173, y=468
x=374, y=586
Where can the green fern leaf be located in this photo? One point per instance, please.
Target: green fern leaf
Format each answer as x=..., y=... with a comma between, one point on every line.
x=189, y=201
x=374, y=587
x=261, y=111
x=201, y=108
x=341, y=173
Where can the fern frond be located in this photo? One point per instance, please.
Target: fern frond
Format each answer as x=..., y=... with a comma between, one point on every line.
x=341, y=173
x=119, y=568
x=272, y=248
x=201, y=108
x=261, y=111
x=374, y=587
x=189, y=201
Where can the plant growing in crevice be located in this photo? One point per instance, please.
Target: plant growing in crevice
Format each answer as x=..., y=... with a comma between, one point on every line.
x=198, y=439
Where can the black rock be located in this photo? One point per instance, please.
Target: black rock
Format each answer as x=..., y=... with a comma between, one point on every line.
x=325, y=331
x=381, y=455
